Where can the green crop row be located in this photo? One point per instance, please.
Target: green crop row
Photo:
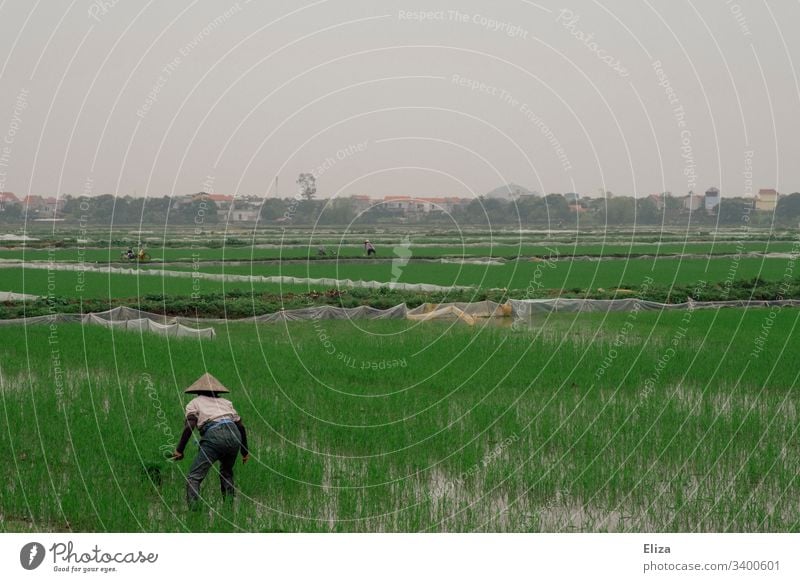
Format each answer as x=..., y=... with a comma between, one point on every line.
x=506, y=249
x=233, y=303
x=531, y=275
x=73, y=285
x=619, y=422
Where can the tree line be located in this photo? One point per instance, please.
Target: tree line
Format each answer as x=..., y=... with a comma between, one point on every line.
x=553, y=210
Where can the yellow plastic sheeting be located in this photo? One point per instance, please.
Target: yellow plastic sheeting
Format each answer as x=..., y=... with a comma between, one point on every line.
x=449, y=312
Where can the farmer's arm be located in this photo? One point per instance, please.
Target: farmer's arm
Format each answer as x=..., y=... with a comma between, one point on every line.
x=243, y=432
x=188, y=427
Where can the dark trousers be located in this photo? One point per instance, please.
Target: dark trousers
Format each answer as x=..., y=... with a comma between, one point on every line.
x=221, y=443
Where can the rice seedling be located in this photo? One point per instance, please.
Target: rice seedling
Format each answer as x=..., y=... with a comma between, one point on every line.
x=45, y=283
x=518, y=275
x=590, y=422
x=466, y=246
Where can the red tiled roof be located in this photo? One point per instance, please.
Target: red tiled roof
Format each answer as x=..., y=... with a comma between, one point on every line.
x=431, y=199
x=220, y=197
x=8, y=197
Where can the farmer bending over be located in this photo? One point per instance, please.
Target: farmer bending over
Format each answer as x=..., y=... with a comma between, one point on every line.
x=222, y=437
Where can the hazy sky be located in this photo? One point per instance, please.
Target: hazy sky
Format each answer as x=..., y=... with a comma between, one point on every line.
x=408, y=97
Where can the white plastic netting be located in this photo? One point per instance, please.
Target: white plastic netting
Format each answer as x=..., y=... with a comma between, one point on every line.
x=175, y=326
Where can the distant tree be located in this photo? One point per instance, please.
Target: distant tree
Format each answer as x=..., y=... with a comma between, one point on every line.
x=273, y=209
x=308, y=185
x=307, y=211
x=102, y=208
x=127, y=210
x=11, y=213
x=156, y=210
x=621, y=210
x=474, y=211
x=72, y=206
x=788, y=209
x=337, y=211
x=733, y=210
x=135, y=209
x=199, y=212
x=597, y=206
x=647, y=212
x=377, y=213
x=673, y=203
x=499, y=211
x=532, y=209
x=557, y=208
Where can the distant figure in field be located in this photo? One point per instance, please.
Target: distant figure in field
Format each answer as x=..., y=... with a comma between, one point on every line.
x=129, y=253
x=369, y=249
x=321, y=252
x=222, y=437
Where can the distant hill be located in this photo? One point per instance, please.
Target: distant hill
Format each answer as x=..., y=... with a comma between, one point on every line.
x=510, y=192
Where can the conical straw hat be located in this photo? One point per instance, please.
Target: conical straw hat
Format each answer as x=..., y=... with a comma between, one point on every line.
x=206, y=383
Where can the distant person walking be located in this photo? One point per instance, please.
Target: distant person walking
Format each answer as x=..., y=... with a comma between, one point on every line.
x=369, y=248
x=222, y=437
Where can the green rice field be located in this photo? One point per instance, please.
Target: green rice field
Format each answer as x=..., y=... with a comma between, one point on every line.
x=627, y=422
x=564, y=274
x=103, y=285
x=516, y=275
x=418, y=246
